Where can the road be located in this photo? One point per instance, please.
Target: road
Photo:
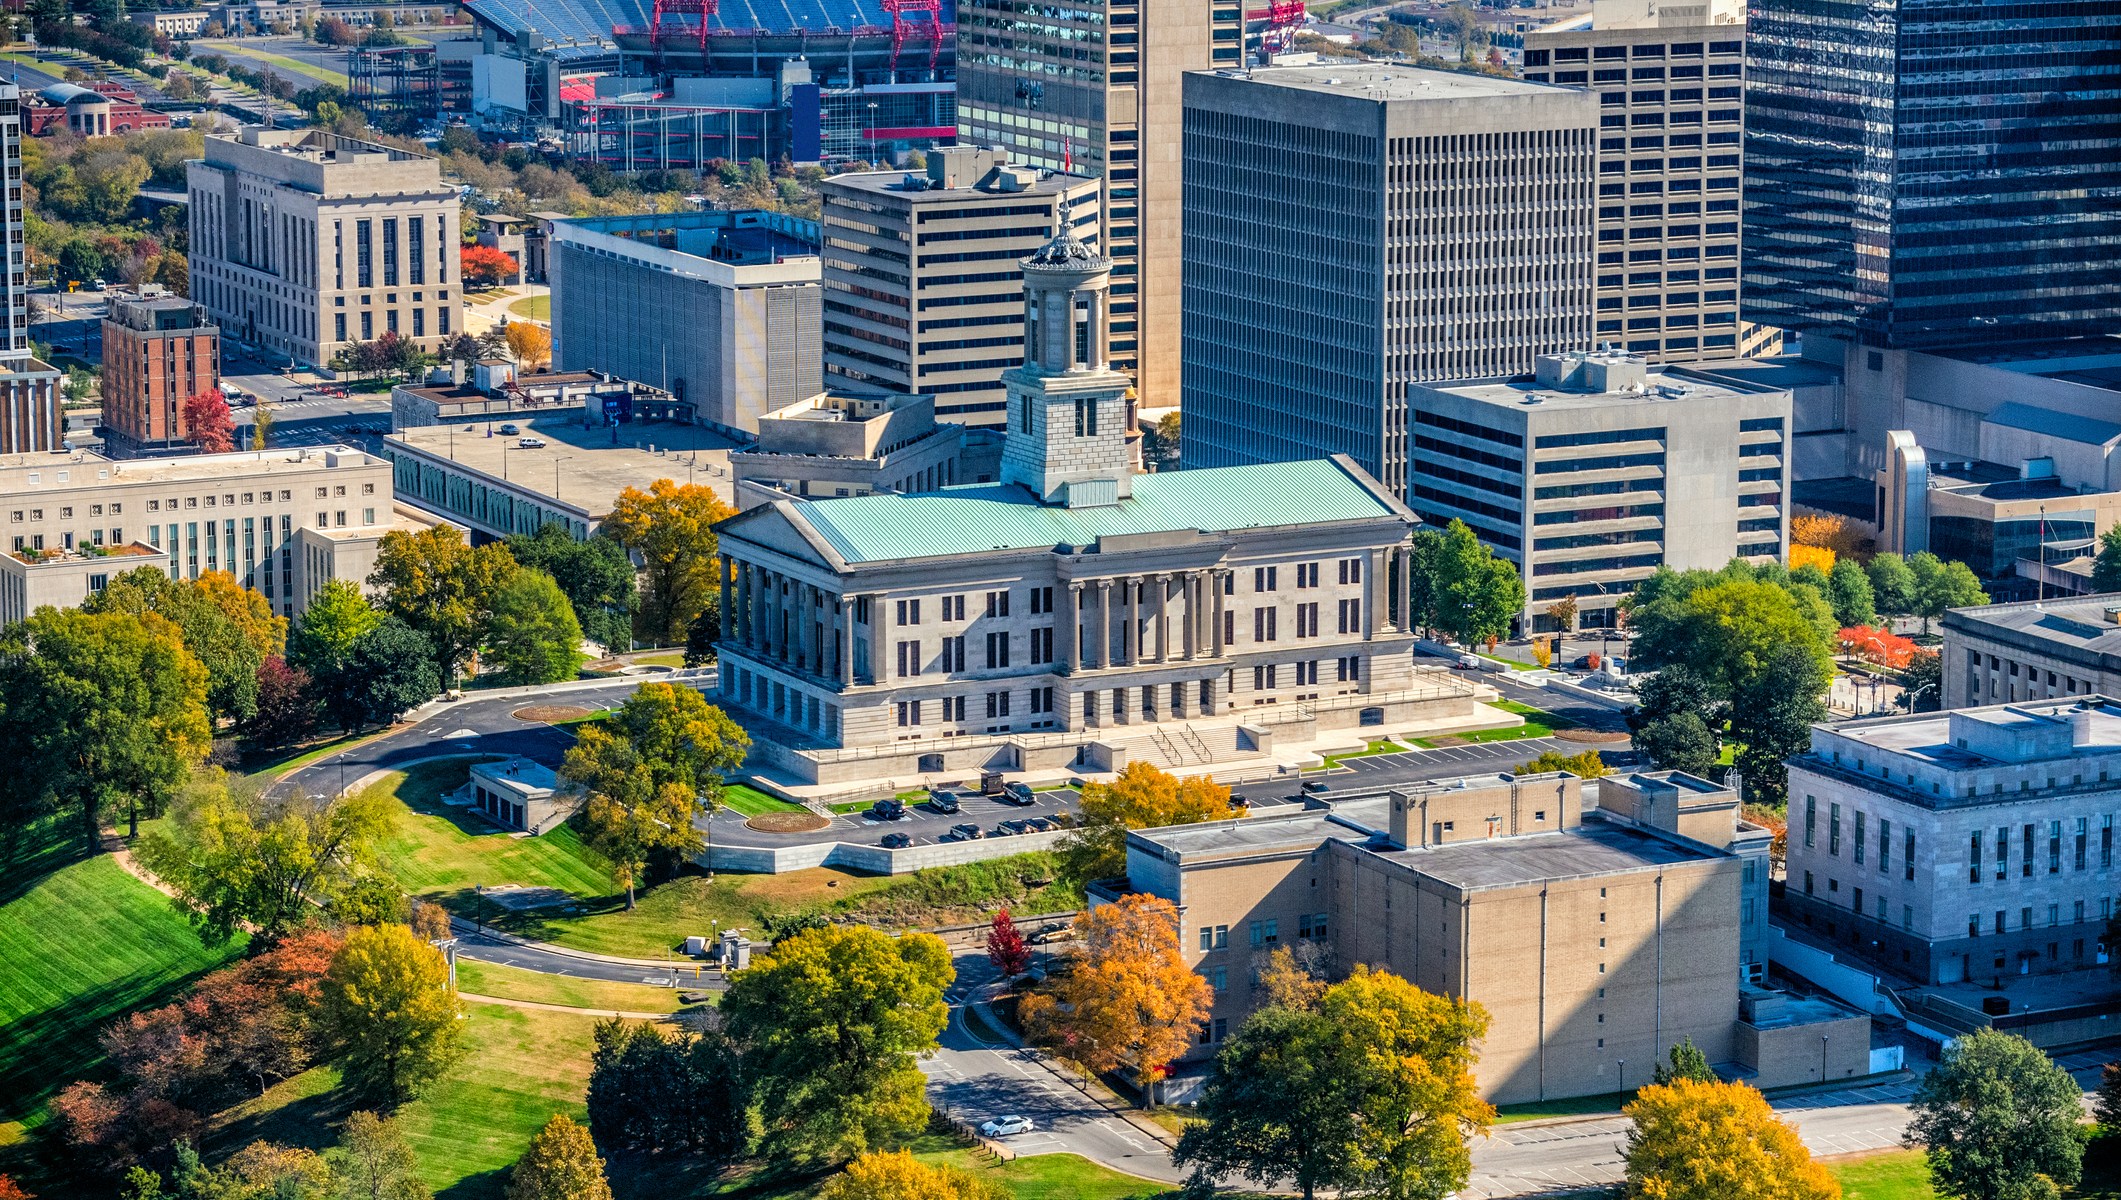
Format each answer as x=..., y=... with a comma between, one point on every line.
x=921, y=823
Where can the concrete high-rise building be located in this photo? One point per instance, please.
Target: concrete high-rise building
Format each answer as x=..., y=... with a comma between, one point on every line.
x=31, y=417
x=718, y=308
x=1352, y=231
x=158, y=351
x=304, y=242
x=923, y=293
x=1600, y=469
x=1933, y=175
x=1098, y=89
x=1670, y=89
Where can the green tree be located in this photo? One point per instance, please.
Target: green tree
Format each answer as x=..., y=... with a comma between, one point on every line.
x=1680, y=742
x=1892, y=584
x=1585, y=764
x=1276, y=1107
x=1922, y=682
x=387, y=672
x=1142, y=797
x=532, y=633
x=264, y=862
x=833, y=1022
x=651, y=771
x=561, y=1164
x=652, y=1092
x=1706, y=1140
x=1688, y=1062
x=897, y=1175
x=373, y=1161
x=441, y=587
x=230, y=651
x=1728, y=631
x=1772, y=716
x=1468, y=593
x=1849, y=591
x=1160, y=440
x=2106, y=568
x=1998, y=1121
x=336, y=618
x=595, y=574
x=671, y=527
x=1941, y=585
x=99, y=713
x=388, y=997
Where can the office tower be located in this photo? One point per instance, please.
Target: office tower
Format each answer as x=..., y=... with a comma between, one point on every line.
x=1098, y=89
x=923, y=289
x=304, y=242
x=158, y=351
x=1669, y=84
x=31, y=417
x=1931, y=175
x=1354, y=230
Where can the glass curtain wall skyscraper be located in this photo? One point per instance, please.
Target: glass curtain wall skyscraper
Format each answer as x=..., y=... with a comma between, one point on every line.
x=1933, y=173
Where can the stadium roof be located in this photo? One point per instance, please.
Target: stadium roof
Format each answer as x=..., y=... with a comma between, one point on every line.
x=593, y=20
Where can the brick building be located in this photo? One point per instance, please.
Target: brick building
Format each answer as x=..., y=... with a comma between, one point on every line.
x=158, y=350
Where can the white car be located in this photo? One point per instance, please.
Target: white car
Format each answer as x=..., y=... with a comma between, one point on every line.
x=530, y=443
x=1004, y=1126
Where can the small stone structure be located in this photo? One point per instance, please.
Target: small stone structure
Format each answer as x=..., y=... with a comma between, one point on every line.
x=517, y=793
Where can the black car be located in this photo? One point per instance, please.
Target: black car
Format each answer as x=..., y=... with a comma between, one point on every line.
x=1003, y=830
x=896, y=841
x=887, y=810
x=1018, y=826
x=967, y=832
x=942, y=801
x=1018, y=794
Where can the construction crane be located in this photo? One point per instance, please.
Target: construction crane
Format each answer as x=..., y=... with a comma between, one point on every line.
x=1283, y=18
x=908, y=15
x=701, y=11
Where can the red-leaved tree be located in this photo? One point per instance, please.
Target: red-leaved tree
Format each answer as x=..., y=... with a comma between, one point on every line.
x=287, y=704
x=208, y=423
x=1006, y=948
x=10, y=1190
x=484, y=266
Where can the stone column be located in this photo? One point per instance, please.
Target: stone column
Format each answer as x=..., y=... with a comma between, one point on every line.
x=1189, y=631
x=1068, y=629
x=809, y=611
x=1409, y=620
x=1104, y=626
x=769, y=639
x=1160, y=596
x=879, y=670
x=846, y=641
x=1215, y=615
x=1373, y=593
x=728, y=609
x=1130, y=622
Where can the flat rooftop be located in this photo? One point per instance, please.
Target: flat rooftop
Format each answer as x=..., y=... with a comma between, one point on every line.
x=2080, y=622
x=1593, y=848
x=1042, y=183
x=582, y=468
x=1789, y=1011
x=1663, y=384
x=1276, y=830
x=1387, y=82
x=30, y=473
x=2013, y=733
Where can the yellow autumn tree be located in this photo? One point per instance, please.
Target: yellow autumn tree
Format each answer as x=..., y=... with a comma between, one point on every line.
x=1811, y=556
x=1717, y=1141
x=900, y=1176
x=1143, y=797
x=671, y=526
x=529, y=344
x=1128, y=1001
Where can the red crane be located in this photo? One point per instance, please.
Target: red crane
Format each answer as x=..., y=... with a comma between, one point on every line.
x=908, y=15
x=701, y=11
x=1283, y=18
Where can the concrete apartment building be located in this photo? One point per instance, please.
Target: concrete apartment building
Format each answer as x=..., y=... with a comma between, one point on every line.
x=31, y=412
x=1596, y=933
x=158, y=351
x=1452, y=213
x=921, y=290
x=1074, y=612
x=2052, y=649
x=1599, y=469
x=255, y=515
x=719, y=309
x=1961, y=847
x=304, y=242
x=856, y=444
x=1670, y=84
x=1098, y=89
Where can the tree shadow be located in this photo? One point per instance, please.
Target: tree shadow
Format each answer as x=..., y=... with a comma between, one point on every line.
x=486, y=1185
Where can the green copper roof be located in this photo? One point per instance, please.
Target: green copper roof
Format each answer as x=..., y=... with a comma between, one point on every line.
x=975, y=518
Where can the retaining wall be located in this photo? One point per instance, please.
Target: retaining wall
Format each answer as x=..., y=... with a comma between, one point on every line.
x=874, y=859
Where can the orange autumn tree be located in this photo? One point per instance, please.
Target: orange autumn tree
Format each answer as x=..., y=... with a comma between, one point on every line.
x=1128, y=1002
x=1877, y=646
x=484, y=266
x=1811, y=556
x=208, y=422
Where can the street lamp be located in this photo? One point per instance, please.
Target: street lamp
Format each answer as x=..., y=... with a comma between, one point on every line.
x=1623, y=1078
x=1822, y=1057
x=872, y=132
x=556, y=461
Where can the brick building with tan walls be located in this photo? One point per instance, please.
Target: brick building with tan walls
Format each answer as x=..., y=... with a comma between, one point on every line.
x=1596, y=933
x=158, y=351
x=1074, y=614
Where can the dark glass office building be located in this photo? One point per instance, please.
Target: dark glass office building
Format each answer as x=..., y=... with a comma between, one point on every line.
x=1933, y=172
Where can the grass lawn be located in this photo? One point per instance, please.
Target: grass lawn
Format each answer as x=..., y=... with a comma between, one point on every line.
x=1376, y=746
x=536, y=308
x=81, y=944
x=673, y=659
x=743, y=798
x=1575, y=1106
x=306, y=70
x=437, y=850
x=1894, y=1175
x=514, y=983
x=846, y=807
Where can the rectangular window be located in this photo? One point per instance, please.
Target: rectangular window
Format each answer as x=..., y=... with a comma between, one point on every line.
x=997, y=650
x=1973, y=857
x=1833, y=830
x=2025, y=864
x=909, y=659
x=909, y=713
x=364, y=255
x=390, y=252
x=909, y=612
x=1857, y=852
x=2003, y=854
x=2054, y=847
x=2083, y=840
x=953, y=654
x=1811, y=820
x=997, y=604
x=1885, y=846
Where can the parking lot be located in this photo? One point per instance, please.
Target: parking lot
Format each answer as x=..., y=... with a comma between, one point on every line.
x=921, y=824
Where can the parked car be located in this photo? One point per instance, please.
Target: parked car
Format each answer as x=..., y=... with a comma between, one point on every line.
x=967, y=832
x=887, y=810
x=942, y=801
x=530, y=443
x=1003, y=830
x=1018, y=827
x=1315, y=786
x=1467, y=662
x=1042, y=824
x=1004, y=1126
x=1018, y=794
x=896, y=841
x=511, y=429
x=1051, y=934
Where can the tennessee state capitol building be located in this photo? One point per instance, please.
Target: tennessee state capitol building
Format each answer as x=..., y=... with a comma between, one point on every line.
x=1075, y=613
